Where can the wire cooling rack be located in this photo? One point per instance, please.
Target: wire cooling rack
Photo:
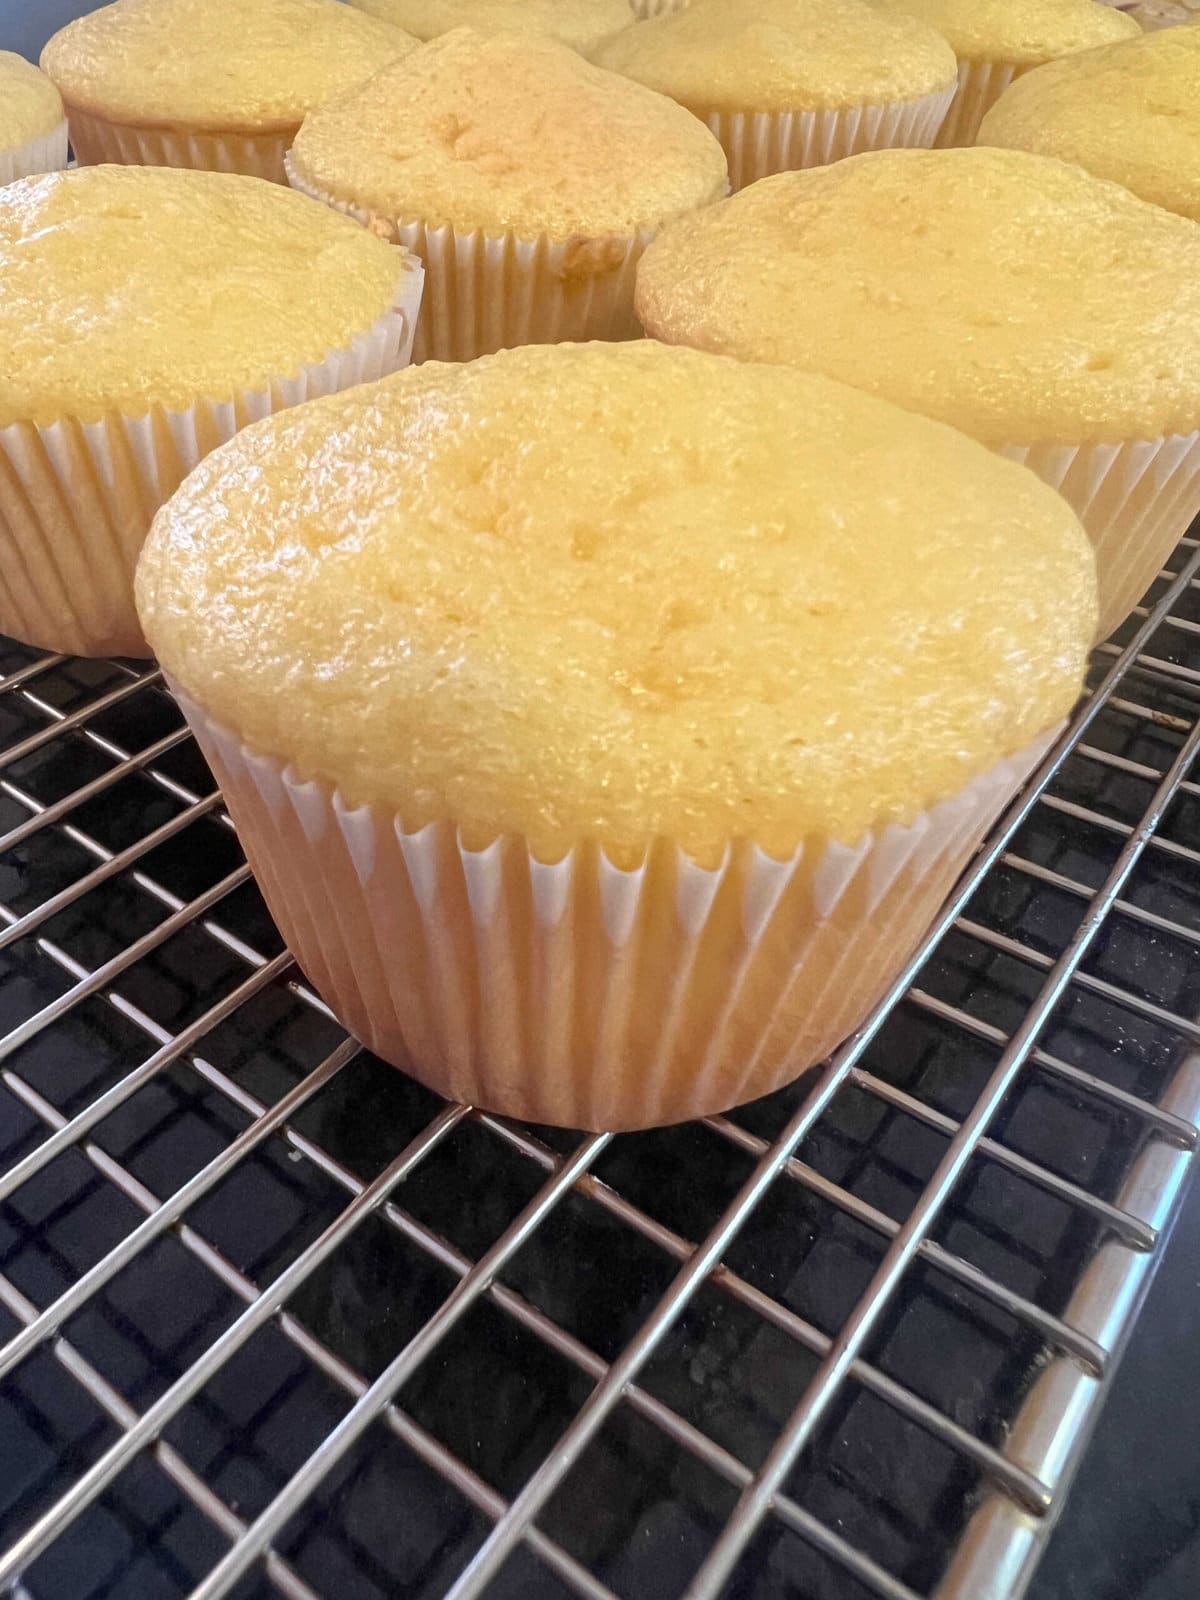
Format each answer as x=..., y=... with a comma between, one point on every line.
x=276, y=1321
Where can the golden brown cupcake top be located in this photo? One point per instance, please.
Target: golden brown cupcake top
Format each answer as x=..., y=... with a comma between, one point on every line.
x=782, y=55
x=613, y=592
x=504, y=131
x=578, y=23
x=130, y=287
x=1008, y=294
x=217, y=63
x=1021, y=31
x=29, y=103
x=1129, y=112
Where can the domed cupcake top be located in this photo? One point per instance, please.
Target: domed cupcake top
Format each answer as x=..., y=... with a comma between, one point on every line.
x=782, y=55
x=504, y=131
x=127, y=287
x=1021, y=31
x=217, y=63
x=1008, y=294
x=578, y=23
x=29, y=103
x=610, y=592
x=1129, y=112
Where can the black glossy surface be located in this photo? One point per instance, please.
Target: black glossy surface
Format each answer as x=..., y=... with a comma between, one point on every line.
x=1131, y=1526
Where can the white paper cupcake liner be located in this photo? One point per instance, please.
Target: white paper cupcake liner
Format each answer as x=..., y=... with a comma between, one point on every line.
x=1136, y=499
x=980, y=85
x=77, y=498
x=256, y=155
x=46, y=153
x=656, y=8
x=486, y=292
x=578, y=992
x=760, y=143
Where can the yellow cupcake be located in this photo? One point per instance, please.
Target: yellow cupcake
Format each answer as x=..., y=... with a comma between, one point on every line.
x=793, y=83
x=216, y=84
x=146, y=315
x=527, y=180
x=1130, y=112
x=33, y=132
x=578, y=23
x=605, y=710
x=996, y=40
x=1052, y=315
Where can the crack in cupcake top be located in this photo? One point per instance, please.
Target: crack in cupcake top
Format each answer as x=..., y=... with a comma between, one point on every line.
x=130, y=287
x=1008, y=294
x=782, y=55
x=217, y=64
x=613, y=592
x=505, y=132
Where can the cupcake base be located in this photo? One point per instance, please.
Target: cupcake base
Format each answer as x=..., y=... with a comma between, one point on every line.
x=980, y=85
x=760, y=143
x=256, y=155
x=576, y=992
x=77, y=498
x=487, y=292
x=1136, y=500
x=46, y=153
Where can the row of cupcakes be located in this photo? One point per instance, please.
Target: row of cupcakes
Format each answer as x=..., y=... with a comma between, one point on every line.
x=347, y=107
x=594, y=748
x=527, y=183
x=279, y=91
x=783, y=83
x=604, y=724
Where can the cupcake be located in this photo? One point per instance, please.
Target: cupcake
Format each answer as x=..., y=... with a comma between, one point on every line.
x=996, y=40
x=1129, y=112
x=33, y=131
x=595, y=751
x=216, y=84
x=146, y=316
x=793, y=83
x=527, y=180
x=1052, y=315
x=578, y=23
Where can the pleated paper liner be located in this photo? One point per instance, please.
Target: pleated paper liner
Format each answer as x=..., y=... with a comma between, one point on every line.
x=980, y=85
x=256, y=155
x=486, y=292
x=77, y=498
x=1136, y=499
x=758, y=144
x=655, y=8
x=578, y=992
x=46, y=153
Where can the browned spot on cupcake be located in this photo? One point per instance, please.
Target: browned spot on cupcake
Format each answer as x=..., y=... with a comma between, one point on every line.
x=588, y=258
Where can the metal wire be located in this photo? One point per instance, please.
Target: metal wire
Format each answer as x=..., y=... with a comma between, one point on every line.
x=840, y=1355
x=152, y=1421
x=162, y=1214
x=537, y=1491
x=756, y=1500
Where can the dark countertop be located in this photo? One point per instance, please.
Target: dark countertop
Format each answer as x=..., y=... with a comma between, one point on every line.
x=1131, y=1526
